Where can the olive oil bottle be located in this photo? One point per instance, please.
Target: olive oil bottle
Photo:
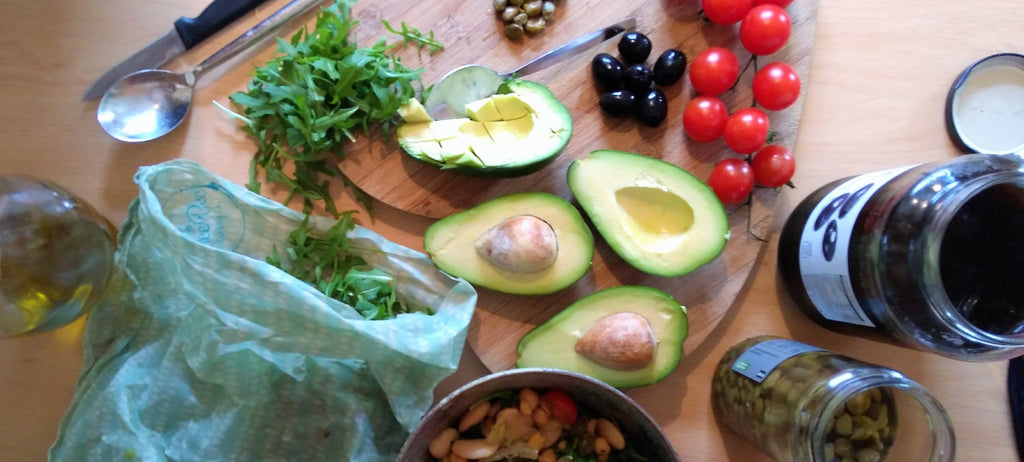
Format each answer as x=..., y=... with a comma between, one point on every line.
x=56, y=254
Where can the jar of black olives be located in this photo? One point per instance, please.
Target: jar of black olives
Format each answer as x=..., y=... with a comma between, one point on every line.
x=930, y=256
x=798, y=403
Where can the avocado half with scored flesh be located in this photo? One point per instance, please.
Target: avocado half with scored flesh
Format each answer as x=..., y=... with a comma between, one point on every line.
x=526, y=243
x=517, y=131
x=625, y=336
x=656, y=216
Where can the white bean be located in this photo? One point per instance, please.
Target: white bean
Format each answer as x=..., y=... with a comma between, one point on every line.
x=474, y=449
x=607, y=430
x=441, y=445
x=474, y=416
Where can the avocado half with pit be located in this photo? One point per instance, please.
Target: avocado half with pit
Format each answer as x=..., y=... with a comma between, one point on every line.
x=625, y=336
x=517, y=131
x=658, y=217
x=526, y=243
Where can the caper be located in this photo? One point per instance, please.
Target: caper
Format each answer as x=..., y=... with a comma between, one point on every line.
x=516, y=2
x=533, y=8
x=521, y=19
x=514, y=31
x=509, y=13
x=547, y=10
x=499, y=5
x=535, y=25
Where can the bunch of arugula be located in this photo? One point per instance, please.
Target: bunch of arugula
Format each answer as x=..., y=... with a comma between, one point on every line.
x=302, y=105
x=326, y=263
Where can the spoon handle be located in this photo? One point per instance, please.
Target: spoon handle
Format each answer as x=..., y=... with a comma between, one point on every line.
x=586, y=41
x=251, y=36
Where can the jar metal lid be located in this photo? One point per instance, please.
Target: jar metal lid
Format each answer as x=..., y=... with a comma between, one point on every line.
x=985, y=106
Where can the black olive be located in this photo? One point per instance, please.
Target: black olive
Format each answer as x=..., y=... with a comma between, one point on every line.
x=652, y=108
x=669, y=67
x=607, y=70
x=635, y=47
x=637, y=79
x=618, y=103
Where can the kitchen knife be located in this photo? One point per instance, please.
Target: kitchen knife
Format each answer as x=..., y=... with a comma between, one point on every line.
x=187, y=33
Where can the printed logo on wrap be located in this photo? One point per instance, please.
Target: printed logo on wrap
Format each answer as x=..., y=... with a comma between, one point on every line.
x=207, y=214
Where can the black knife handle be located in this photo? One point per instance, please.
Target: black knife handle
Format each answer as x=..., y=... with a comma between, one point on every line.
x=217, y=15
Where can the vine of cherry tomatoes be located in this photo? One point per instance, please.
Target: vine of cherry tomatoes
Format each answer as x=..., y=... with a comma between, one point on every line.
x=764, y=28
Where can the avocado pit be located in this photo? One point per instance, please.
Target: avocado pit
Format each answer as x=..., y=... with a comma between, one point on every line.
x=520, y=244
x=622, y=341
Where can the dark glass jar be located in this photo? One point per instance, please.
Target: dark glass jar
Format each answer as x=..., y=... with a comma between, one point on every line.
x=931, y=256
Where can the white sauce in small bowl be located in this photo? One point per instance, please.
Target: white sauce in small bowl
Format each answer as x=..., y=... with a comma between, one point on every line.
x=989, y=109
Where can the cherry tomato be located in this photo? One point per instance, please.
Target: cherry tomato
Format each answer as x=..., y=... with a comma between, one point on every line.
x=704, y=118
x=714, y=71
x=562, y=407
x=773, y=166
x=776, y=86
x=781, y=3
x=726, y=12
x=765, y=29
x=746, y=130
x=732, y=180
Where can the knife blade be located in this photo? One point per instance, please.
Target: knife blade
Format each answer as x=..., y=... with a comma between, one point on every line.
x=580, y=43
x=186, y=33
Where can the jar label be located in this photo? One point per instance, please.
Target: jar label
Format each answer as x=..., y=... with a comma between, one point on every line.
x=825, y=243
x=761, y=359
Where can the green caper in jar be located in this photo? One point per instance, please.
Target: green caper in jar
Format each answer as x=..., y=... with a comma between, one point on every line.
x=767, y=411
x=864, y=429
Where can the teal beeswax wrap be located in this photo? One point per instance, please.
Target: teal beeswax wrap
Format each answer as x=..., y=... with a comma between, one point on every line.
x=202, y=352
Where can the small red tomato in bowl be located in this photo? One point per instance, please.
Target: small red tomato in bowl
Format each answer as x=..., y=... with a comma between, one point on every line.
x=714, y=71
x=746, y=130
x=704, y=118
x=776, y=86
x=773, y=166
x=561, y=406
x=726, y=12
x=732, y=180
x=765, y=29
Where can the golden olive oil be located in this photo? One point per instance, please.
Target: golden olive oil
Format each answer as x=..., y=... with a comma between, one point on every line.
x=56, y=254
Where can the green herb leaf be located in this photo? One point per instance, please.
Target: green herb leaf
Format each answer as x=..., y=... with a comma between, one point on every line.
x=321, y=88
x=326, y=263
x=414, y=35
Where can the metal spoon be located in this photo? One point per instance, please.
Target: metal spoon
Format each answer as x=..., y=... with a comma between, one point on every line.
x=473, y=82
x=148, y=104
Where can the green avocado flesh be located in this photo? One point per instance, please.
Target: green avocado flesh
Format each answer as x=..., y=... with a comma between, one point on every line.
x=515, y=132
x=656, y=216
x=453, y=244
x=553, y=344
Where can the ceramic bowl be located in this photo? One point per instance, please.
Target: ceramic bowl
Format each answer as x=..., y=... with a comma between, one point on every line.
x=643, y=433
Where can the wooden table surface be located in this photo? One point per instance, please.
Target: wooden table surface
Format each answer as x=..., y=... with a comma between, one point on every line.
x=874, y=99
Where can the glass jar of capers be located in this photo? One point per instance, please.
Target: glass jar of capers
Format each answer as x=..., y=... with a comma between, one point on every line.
x=798, y=403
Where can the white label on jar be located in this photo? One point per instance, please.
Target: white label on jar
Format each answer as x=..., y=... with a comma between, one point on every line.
x=761, y=359
x=825, y=244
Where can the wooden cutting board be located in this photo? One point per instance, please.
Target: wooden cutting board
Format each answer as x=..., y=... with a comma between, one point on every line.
x=473, y=34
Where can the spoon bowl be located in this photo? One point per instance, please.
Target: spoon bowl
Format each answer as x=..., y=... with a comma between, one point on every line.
x=148, y=104
x=145, y=105
x=474, y=82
